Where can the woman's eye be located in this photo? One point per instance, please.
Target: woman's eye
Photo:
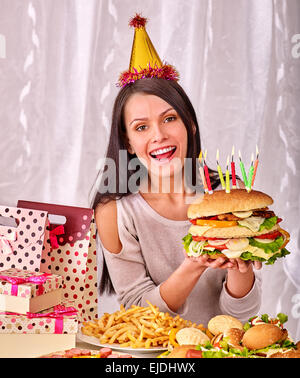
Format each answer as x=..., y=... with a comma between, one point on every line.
x=141, y=128
x=170, y=119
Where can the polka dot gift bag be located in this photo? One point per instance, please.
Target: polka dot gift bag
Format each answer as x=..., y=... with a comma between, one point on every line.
x=22, y=238
x=72, y=252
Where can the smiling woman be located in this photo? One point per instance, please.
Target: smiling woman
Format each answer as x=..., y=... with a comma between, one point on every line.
x=155, y=141
x=140, y=232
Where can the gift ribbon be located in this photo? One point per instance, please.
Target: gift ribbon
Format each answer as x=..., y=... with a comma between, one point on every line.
x=15, y=281
x=58, y=314
x=59, y=230
x=5, y=246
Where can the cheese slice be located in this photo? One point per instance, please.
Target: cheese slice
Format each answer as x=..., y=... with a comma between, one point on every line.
x=253, y=223
x=258, y=252
x=198, y=230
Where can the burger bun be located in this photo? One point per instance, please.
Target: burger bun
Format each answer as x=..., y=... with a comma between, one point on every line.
x=220, y=202
x=221, y=323
x=262, y=336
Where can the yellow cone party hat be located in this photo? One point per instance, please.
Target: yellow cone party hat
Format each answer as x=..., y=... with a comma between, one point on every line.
x=144, y=61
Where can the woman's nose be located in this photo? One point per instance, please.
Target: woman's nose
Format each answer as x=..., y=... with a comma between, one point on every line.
x=159, y=133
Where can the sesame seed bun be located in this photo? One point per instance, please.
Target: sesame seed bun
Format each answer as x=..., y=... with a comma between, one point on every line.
x=221, y=202
x=234, y=336
x=287, y=354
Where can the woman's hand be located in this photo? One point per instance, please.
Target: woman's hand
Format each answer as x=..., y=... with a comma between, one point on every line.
x=240, y=277
x=207, y=262
x=243, y=266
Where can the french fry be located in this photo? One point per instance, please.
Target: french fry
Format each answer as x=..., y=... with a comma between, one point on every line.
x=110, y=321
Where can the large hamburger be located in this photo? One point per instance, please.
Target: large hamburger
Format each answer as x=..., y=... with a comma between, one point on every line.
x=238, y=224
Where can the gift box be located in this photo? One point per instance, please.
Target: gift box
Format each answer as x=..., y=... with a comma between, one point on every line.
x=72, y=251
x=23, y=291
x=34, y=334
x=22, y=237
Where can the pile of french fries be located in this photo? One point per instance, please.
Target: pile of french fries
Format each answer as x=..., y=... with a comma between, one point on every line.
x=137, y=327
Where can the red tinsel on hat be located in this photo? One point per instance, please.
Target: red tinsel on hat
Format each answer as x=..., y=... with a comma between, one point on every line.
x=137, y=21
x=166, y=72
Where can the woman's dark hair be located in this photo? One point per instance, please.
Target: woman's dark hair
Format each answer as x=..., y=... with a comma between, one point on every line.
x=171, y=92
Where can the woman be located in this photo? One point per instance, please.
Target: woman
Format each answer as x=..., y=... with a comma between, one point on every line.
x=141, y=233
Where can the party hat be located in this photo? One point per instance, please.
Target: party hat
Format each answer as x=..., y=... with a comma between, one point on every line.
x=145, y=61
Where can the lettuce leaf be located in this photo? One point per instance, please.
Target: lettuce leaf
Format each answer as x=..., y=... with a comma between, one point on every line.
x=248, y=256
x=268, y=223
x=282, y=317
x=286, y=344
x=187, y=241
x=268, y=247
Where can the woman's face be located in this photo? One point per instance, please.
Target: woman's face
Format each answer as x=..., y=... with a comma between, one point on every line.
x=156, y=133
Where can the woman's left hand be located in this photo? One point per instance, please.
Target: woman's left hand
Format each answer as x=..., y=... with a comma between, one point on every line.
x=243, y=266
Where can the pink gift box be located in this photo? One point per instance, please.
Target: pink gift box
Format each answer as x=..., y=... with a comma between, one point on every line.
x=60, y=319
x=34, y=334
x=23, y=291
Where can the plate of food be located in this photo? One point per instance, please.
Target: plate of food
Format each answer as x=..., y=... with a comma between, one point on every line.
x=137, y=329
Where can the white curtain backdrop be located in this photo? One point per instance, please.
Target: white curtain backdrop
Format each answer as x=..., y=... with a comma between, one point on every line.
x=238, y=61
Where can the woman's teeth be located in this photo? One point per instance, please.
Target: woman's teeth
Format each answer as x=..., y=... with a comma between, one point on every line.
x=163, y=153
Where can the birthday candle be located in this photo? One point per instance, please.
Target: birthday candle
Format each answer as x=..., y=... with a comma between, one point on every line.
x=227, y=176
x=250, y=175
x=207, y=175
x=243, y=169
x=255, y=167
x=201, y=171
x=233, y=169
x=220, y=171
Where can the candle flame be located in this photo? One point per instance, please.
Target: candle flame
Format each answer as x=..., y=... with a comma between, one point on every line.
x=240, y=156
x=227, y=162
x=200, y=156
x=257, y=152
x=232, y=152
x=205, y=153
x=252, y=158
x=217, y=156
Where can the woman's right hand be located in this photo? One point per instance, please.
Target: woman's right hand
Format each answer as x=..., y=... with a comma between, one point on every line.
x=206, y=261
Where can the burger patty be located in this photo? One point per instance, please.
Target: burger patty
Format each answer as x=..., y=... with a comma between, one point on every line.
x=231, y=217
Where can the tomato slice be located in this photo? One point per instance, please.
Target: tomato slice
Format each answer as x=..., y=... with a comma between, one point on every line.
x=219, y=247
x=202, y=238
x=271, y=235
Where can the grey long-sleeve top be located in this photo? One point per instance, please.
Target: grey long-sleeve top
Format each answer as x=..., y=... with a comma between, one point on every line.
x=152, y=250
